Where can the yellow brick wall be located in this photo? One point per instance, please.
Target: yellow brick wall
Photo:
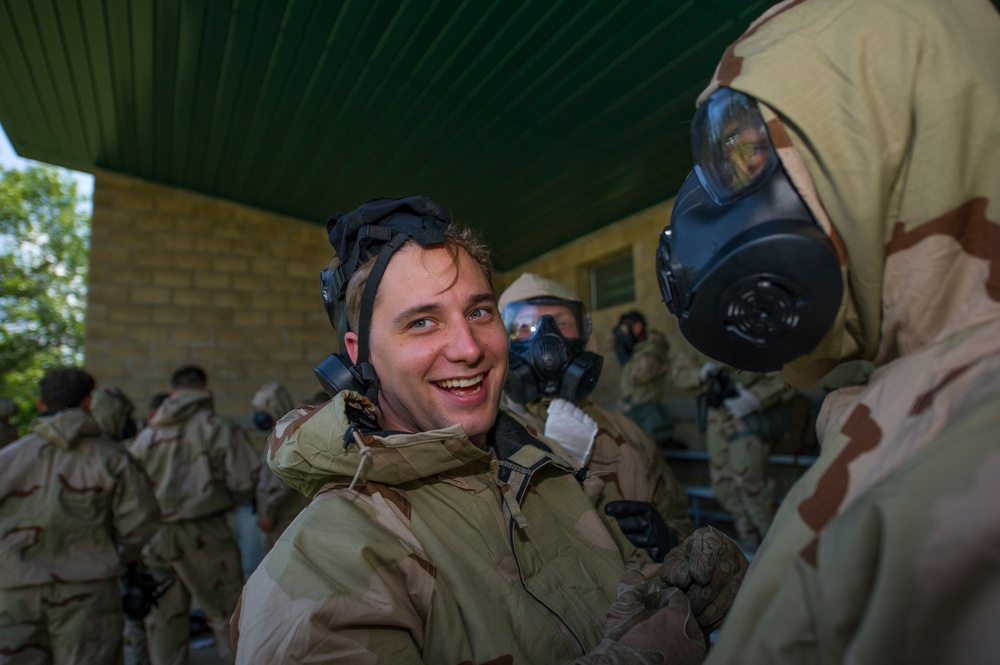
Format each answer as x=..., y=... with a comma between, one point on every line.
x=570, y=264
x=179, y=278
x=176, y=278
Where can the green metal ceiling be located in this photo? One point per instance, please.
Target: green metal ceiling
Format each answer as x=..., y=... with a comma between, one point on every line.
x=535, y=121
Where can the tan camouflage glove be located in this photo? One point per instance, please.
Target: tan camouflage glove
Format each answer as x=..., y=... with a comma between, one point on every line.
x=709, y=568
x=647, y=629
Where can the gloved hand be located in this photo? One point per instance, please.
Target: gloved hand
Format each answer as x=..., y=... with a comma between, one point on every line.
x=709, y=568
x=742, y=405
x=644, y=629
x=572, y=428
x=643, y=525
x=707, y=370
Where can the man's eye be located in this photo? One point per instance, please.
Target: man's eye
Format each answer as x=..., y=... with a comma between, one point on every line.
x=480, y=312
x=420, y=323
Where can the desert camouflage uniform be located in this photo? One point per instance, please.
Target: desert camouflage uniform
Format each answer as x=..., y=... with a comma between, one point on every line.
x=69, y=501
x=642, y=387
x=888, y=549
x=442, y=553
x=111, y=408
x=624, y=462
x=737, y=457
x=202, y=466
x=277, y=503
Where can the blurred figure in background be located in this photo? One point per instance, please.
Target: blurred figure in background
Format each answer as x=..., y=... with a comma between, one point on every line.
x=741, y=425
x=202, y=466
x=551, y=372
x=277, y=503
x=113, y=411
x=154, y=404
x=73, y=506
x=644, y=356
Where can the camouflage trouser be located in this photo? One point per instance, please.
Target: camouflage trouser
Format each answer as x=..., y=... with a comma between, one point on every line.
x=738, y=467
x=204, y=559
x=68, y=624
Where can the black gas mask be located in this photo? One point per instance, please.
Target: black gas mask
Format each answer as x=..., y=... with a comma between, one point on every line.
x=129, y=427
x=263, y=421
x=544, y=362
x=376, y=228
x=751, y=277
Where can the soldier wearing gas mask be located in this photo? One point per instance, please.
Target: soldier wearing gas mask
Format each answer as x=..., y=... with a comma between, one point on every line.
x=844, y=206
x=550, y=374
x=114, y=412
x=277, y=503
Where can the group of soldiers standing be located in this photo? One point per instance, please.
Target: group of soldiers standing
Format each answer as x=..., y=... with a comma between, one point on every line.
x=86, y=494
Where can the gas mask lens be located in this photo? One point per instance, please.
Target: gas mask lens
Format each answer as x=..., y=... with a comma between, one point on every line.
x=733, y=154
x=521, y=318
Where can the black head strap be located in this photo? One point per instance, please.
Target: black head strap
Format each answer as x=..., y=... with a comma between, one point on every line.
x=378, y=227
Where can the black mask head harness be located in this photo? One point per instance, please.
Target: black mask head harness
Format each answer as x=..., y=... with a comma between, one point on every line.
x=377, y=228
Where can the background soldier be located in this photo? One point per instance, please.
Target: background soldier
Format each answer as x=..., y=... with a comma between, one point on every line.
x=202, y=466
x=277, y=503
x=72, y=503
x=738, y=442
x=550, y=375
x=645, y=358
x=114, y=413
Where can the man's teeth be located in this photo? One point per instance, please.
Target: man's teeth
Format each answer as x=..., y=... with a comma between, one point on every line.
x=461, y=383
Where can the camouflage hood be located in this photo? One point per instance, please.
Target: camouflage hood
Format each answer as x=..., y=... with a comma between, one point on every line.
x=307, y=449
x=887, y=117
x=66, y=427
x=180, y=405
x=111, y=408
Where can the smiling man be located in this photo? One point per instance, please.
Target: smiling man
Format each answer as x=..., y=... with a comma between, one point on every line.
x=439, y=531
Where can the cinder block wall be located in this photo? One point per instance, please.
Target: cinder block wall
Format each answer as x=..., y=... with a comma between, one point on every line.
x=177, y=278
x=570, y=265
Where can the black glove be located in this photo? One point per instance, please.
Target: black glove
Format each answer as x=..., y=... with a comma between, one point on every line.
x=643, y=525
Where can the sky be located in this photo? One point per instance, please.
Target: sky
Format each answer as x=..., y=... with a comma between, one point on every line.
x=10, y=160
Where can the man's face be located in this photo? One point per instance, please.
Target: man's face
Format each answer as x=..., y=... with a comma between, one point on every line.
x=438, y=347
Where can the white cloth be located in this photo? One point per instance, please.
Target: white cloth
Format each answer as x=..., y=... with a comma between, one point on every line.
x=742, y=405
x=572, y=428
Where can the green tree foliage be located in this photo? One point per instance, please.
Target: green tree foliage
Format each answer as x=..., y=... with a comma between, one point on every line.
x=44, y=240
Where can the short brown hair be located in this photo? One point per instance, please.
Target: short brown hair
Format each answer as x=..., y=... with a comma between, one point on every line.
x=188, y=376
x=456, y=239
x=65, y=388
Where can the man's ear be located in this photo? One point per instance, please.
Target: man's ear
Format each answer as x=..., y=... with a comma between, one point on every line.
x=41, y=406
x=351, y=342
x=85, y=404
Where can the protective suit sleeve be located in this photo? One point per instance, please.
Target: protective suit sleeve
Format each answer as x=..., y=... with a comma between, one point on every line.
x=135, y=513
x=241, y=465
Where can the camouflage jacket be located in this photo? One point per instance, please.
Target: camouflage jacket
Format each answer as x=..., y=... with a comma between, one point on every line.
x=200, y=463
x=275, y=499
x=623, y=464
x=69, y=501
x=644, y=375
x=441, y=553
x=888, y=549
